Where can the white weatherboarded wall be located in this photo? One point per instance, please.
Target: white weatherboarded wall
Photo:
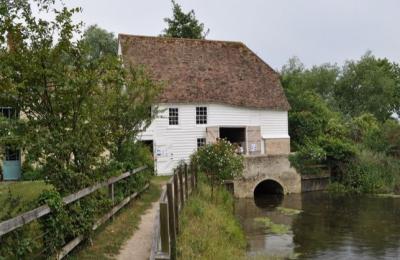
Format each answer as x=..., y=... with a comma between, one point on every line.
x=178, y=142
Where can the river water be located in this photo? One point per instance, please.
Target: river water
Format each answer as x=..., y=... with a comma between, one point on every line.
x=320, y=225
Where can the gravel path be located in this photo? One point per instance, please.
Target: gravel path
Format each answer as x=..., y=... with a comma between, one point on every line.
x=138, y=246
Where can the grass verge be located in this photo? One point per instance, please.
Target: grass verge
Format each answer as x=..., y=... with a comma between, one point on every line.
x=209, y=229
x=25, y=192
x=108, y=240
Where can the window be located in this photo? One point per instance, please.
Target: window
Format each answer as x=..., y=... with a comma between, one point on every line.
x=201, y=142
x=201, y=115
x=8, y=112
x=11, y=154
x=173, y=116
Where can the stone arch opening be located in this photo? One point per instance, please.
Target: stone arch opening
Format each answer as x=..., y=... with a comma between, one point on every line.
x=268, y=187
x=268, y=194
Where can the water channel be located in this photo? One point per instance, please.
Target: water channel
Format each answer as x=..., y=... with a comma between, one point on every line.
x=319, y=225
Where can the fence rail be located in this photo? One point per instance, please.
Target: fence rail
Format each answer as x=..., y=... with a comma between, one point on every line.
x=27, y=217
x=166, y=226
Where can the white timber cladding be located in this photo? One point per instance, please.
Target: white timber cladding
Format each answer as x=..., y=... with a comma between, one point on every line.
x=173, y=143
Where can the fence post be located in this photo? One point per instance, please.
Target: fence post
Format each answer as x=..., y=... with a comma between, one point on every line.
x=164, y=228
x=171, y=218
x=196, y=177
x=181, y=187
x=176, y=201
x=186, y=182
x=191, y=176
x=111, y=193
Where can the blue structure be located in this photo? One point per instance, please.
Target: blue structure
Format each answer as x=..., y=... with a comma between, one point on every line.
x=11, y=166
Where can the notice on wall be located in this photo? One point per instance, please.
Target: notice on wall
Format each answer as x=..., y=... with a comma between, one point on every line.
x=161, y=152
x=253, y=147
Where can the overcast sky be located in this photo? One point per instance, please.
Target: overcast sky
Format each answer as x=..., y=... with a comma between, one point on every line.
x=316, y=31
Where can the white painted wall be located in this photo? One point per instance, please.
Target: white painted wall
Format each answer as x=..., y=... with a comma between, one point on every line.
x=178, y=142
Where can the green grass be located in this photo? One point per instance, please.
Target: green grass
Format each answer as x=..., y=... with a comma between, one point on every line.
x=108, y=240
x=209, y=229
x=25, y=192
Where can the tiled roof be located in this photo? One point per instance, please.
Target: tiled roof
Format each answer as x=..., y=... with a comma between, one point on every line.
x=204, y=71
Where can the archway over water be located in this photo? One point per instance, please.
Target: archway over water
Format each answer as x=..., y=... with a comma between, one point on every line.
x=267, y=187
x=268, y=193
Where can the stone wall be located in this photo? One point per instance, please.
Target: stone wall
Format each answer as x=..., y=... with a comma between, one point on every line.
x=317, y=182
x=263, y=167
x=277, y=146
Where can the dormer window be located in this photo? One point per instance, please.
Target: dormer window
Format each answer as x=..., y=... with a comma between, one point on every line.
x=173, y=116
x=201, y=115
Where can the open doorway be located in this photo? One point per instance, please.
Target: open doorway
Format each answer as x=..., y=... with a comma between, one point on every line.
x=149, y=144
x=235, y=135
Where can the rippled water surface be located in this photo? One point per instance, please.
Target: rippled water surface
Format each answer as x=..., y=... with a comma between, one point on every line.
x=323, y=226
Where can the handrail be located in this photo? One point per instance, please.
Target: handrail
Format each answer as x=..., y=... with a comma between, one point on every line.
x=172, y=199
x=10, y=225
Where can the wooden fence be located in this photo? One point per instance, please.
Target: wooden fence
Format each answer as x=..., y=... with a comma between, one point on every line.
x=172, y=200
x=27, y=217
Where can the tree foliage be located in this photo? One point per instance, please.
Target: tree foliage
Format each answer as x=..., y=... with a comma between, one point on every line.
x=342, y=116
x=370, y=85
x=81, y=110
x=184, y=25
x=100, y=42
x=77, y=98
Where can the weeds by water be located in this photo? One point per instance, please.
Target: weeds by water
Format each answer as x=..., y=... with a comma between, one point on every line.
x=289, y=211
x=209, y=229
x=277, y=229
x=394, y=196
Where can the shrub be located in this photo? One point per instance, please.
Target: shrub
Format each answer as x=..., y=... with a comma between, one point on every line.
x=218, y=161
x=371, y=172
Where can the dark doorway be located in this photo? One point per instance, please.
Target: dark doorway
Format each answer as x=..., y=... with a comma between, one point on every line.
x=149, y=144
x=235, y=135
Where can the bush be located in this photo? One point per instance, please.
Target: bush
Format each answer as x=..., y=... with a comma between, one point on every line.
x=371, y=173
x=218, y=161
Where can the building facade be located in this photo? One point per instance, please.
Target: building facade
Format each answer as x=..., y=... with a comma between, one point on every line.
x=212, y=89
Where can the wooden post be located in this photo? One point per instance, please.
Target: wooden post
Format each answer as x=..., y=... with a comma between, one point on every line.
x=181, y=187
x=176, y=201
x=164, y=228
x=191, y=176
x=111, y=193
x=196, y=177
x=171, y=218
x=186, y=182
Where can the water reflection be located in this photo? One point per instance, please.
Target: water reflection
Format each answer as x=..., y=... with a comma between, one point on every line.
x=329, y=227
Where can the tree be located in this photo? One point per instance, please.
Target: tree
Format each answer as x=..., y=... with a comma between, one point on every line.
x=74, y=104
x=370, y=85
x=184, y=25
x=100, y=42
x=218, y=161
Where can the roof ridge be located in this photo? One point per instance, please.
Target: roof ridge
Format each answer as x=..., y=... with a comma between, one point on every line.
x=179, y=39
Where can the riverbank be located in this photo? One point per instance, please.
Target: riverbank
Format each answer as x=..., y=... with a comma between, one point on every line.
x=209, y=229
